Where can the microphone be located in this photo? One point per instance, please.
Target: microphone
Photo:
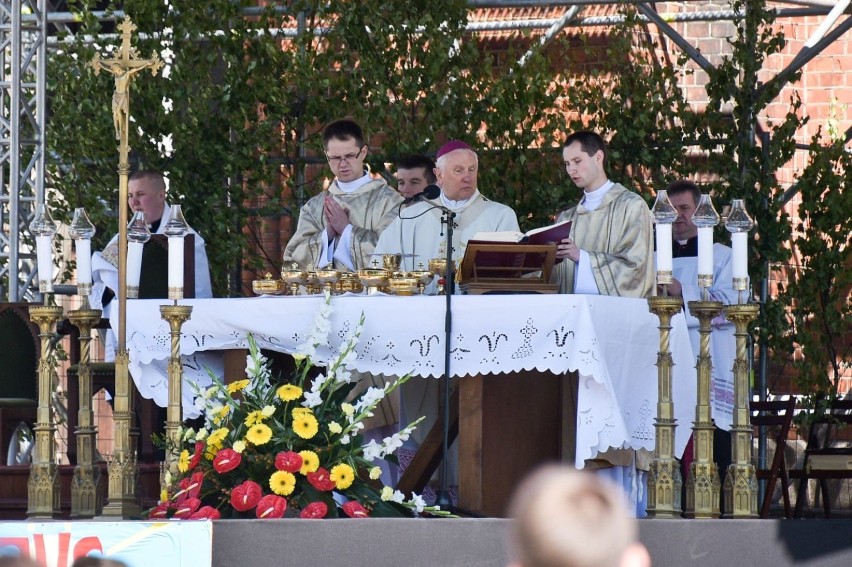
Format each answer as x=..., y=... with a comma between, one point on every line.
x=431, y=192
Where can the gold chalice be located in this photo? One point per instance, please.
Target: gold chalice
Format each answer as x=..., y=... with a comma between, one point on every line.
x=294, y=276
x=312, y=284
x=391, y=262
x=438, y=266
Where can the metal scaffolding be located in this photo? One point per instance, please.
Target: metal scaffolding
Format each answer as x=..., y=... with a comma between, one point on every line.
x=23, y=60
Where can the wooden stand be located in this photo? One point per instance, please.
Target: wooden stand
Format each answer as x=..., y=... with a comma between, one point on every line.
x=496, y=267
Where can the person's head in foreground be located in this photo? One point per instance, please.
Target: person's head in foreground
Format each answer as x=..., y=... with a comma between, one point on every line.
x=568, y=518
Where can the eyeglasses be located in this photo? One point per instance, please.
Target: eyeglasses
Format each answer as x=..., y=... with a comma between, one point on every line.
x=348, y=158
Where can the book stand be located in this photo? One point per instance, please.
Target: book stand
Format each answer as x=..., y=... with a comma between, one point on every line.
x=489, y=267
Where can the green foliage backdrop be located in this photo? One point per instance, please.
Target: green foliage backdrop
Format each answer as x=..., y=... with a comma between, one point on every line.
x=249, y=88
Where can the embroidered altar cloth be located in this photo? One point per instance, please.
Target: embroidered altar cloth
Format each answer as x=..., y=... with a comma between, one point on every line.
x=611, y=342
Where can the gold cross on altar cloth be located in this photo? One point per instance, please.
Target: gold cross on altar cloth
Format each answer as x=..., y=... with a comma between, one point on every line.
x=124, y=66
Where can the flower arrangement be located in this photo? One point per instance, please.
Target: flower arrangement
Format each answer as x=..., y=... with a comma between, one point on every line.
x=271, y=445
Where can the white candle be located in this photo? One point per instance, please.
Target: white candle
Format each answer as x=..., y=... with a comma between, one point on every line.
x=739, y=242
x=84, y=261
x=664, y=247
x=44, y=255
x=705, y=250
x=134, y=263
x=175, y=262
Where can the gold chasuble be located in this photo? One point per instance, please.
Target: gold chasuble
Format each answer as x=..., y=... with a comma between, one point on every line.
x=619, y=238
x=372, y=207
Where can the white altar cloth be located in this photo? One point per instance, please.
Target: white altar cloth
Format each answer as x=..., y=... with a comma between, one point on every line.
x=611, y=342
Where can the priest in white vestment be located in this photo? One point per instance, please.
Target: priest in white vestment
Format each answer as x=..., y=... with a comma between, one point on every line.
x=338, y=228
x=146, y=192
x=418, y=234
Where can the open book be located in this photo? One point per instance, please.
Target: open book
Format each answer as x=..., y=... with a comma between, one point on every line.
x=551, y=234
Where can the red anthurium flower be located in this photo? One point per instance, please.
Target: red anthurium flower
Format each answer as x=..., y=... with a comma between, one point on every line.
x=196, y=458
x=226, y=460
x=289, y=461
x=321, y=480
x=161, y=511
x=206, y=513
x=245, y=496
x=314, y=511
x=354, y=509
x=187, y=508
x=190, y=487
x=271, y=506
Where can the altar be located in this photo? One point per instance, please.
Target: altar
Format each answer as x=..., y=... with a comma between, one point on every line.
x=610, y=342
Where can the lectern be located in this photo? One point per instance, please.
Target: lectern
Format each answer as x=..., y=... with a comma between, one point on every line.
x=498, y=267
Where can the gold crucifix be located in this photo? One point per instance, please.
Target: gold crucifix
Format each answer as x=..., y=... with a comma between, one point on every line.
x=122, y=466
x=124, y=67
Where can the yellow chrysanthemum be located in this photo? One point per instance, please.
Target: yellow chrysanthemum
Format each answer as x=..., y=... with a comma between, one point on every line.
x=254, y=417
x=375, y=473
x=239, y=446
x=183, y=461
x=335, y=427
x=302, y=411
x=237, y=386
x=258, y=434
x=221, y=413
x=348, y=409
x=310, y=462
x=211, y=449
x=217, y=436
x=282, y=483
x=289, y=392
x=342, y=475
x=305, y=425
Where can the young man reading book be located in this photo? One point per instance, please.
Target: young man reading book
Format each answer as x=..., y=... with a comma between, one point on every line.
x=611, y=245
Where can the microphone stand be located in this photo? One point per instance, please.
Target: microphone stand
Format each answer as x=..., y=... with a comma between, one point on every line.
x=442, y=498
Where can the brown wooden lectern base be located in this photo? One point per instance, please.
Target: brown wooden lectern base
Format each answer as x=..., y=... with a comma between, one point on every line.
x=508, y=425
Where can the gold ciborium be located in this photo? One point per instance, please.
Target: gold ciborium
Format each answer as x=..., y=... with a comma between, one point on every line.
x=349, y=282
x=293, y=277
x=424, y=277
x=326, y=279
x=375, y=279
x=268, y=285
x=403, y=284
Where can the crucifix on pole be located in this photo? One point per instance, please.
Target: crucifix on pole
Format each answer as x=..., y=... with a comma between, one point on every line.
x=122, y=467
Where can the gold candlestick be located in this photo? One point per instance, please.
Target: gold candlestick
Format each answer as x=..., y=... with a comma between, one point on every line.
x=703, y=487
x=43, y=483
x=664, y=478
x=741, y=482
x=176, y=315
x=85, y=499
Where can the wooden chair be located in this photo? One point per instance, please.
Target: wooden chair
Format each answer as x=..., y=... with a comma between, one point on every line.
x=20, y=347
x=822, y=461
x=777, y=414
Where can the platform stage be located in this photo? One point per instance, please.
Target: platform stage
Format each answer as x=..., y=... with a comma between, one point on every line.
x=483, y=542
